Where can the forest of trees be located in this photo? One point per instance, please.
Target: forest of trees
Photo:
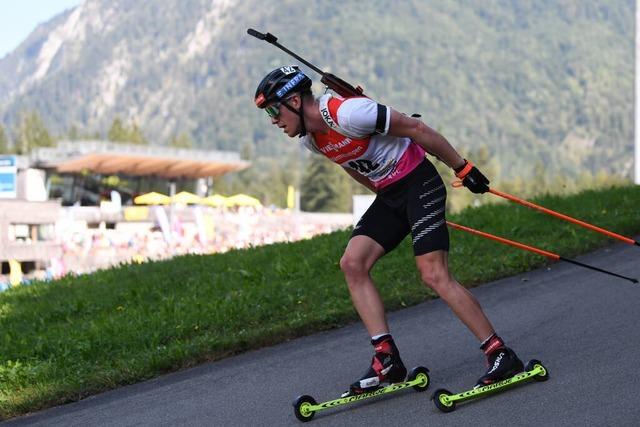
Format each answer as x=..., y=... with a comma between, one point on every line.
x=324, y=186
x=539, y=94
x=29, y=133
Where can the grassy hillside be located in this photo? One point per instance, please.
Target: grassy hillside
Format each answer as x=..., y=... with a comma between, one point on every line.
x=65, y=340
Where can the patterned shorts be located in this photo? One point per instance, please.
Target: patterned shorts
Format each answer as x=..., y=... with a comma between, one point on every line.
x=416, y=205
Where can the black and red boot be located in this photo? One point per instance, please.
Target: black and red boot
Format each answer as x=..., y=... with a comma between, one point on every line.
x=386, y=366
x=502, y=362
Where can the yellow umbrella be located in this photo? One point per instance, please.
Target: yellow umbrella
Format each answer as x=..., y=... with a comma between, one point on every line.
x=243, y=200
x=216, y=200
x=186, y=198
x=152, y=198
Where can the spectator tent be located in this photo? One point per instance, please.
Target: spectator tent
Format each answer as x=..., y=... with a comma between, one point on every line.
x=108, y=158
x=104, y=158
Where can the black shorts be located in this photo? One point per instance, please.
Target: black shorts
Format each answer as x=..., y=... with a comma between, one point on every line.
x=416, y=205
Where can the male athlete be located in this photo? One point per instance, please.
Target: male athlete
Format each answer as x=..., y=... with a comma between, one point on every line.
x=384, y=150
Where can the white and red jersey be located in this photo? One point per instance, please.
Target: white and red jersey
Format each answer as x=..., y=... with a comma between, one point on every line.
x=358, y=140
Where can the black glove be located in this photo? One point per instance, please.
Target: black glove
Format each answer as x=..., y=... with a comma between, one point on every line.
x=472, y=178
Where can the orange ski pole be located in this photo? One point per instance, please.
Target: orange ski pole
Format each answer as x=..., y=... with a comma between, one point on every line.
x=535, y=250
x=564, y=217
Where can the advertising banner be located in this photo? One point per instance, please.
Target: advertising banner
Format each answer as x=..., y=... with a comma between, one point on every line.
x=8, y=177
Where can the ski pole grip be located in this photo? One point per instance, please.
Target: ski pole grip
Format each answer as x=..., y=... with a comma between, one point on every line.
x=268, y=37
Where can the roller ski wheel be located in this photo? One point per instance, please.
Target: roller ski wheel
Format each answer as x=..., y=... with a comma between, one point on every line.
x=543, y=373
x=446, y=401
x=301, y=407
x=441, y=399
x=305, y=406
x=421, y=374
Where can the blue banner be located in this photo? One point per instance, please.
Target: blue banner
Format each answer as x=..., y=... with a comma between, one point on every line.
x=8, y=177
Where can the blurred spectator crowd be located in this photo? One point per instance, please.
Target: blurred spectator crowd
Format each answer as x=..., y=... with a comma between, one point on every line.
x=209, y=230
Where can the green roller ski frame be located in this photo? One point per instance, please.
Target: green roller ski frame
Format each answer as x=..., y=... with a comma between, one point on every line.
x=305, y=407
x=446, y=401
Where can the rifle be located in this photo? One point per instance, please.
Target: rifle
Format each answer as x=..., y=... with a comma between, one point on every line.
x=334, y=83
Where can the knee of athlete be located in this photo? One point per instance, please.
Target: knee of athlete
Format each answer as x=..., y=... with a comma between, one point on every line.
x=352, y=266
x=436, y=278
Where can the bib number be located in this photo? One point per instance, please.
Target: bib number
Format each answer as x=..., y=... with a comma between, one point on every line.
x=363, y=166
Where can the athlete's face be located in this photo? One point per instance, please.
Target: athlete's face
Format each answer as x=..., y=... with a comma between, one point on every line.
x=284, y=118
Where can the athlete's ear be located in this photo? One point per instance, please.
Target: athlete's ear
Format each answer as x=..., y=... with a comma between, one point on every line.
x=295, y=101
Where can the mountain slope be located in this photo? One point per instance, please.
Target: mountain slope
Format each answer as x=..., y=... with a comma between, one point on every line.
x=543, y=82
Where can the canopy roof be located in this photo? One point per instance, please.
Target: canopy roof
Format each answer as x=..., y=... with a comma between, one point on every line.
x=108, y=158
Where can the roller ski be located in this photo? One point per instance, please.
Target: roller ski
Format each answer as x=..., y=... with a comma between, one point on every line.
x=505, y=370
x=305, y=407
x=446, y=401
x=386, y=367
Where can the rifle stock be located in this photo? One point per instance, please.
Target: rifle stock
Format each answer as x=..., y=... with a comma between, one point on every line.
x=340, y=87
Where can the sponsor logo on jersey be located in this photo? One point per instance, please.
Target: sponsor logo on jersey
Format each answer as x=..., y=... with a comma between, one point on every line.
x=339, y=147
x=327, y=117
x=335, y=147
x=350, y=154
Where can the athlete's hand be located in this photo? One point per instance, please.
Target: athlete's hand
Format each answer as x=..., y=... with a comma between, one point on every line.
x=472, y=178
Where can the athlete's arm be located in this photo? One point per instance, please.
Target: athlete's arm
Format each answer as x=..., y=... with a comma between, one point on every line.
x=361, y=179
x=436, y=144
x=429, y=139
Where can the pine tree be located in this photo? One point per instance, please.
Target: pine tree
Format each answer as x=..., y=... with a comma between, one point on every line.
x=181, y=141
x=247, y=151
x=136, y=136
x=4, y=143
x=32, y=133
x=325, y=188
x=117, y=131
x=73, y=134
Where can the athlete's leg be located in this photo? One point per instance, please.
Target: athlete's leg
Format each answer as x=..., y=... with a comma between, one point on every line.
x=361, y=254
x=434, y=271
x=502, y=362
x=378, y=232
x=430, y=236
x=386, y=365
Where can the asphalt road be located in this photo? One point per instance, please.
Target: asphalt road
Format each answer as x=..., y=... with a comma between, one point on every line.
x=581, y=324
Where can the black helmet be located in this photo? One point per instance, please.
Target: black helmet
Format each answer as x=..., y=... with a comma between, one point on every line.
x=279, y=83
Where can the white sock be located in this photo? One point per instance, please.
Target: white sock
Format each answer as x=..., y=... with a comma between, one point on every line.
x=375, y=337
